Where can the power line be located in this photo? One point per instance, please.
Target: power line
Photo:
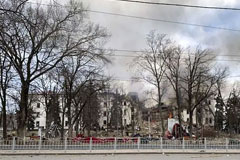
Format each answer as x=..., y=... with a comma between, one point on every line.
x=136, y=52
x=135, y=56
x=59, y=5
x=147, y=18
x=141, y=51
x=165, y=21
x=140, y=80
x=160, y=20
x=181, y=5
x=121, y=50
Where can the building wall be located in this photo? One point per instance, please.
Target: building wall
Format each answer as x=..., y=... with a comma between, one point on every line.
x=208, y=109
x=106, y=106
x=39, y=109
x=38, y=106
x=126, y=113
x=105, y=112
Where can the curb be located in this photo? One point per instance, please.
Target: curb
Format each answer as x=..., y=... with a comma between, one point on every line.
x=111, y=153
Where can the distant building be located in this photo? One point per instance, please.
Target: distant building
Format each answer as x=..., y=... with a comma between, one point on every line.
x=108, y=101
x=39, y=108
x=204, y=114
x=154, y=113
x=118, y=108
x=152, y=119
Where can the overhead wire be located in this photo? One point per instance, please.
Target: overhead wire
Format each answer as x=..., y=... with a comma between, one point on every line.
x=142, y=80
x=147, y=18
x=135, y=56
x=137, y=53
x=180, y=5
x=162, y=20
x=165, y=21
x=122, y=50
x=141, y=51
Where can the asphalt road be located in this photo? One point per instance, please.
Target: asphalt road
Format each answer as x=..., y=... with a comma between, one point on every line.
x=128, y=157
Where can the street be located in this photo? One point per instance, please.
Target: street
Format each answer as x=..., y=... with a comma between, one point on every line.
x=129, y=157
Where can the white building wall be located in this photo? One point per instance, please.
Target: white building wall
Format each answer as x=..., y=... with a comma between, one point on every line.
x=105, y=112
x=126, y=113
x=39, y=108
x=208, y=117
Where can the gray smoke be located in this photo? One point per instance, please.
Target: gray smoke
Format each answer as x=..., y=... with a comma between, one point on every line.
x=129, y=33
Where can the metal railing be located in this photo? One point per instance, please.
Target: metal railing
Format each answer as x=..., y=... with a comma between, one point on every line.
x=119, y=144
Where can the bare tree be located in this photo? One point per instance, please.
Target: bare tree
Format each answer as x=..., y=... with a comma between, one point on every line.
x=116, y=115
x=91, y=111
x=6, y=76
x=86, y=102
x=173, y=74
x=152, y=65
x=48, y=90
x=75, y=74
x=37, y=38
x=6, y=7
x=219, y=116
x=199, y=80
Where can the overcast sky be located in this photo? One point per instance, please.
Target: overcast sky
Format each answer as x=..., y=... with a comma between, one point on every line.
x=129, y=33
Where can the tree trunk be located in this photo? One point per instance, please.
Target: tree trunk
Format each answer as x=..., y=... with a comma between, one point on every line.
x=70, y=129
x=69, y=115
x=88, y=131
x=162, y=120
x=77, y=127
x=180, y=122
x=48, y=124
x=190, y=108
x=4, y=120
x=178, y=96
x=23, y=112
x=160, y=111
x=190, y=122
x=48, y=121
x=62, y=123
x=133, y=122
